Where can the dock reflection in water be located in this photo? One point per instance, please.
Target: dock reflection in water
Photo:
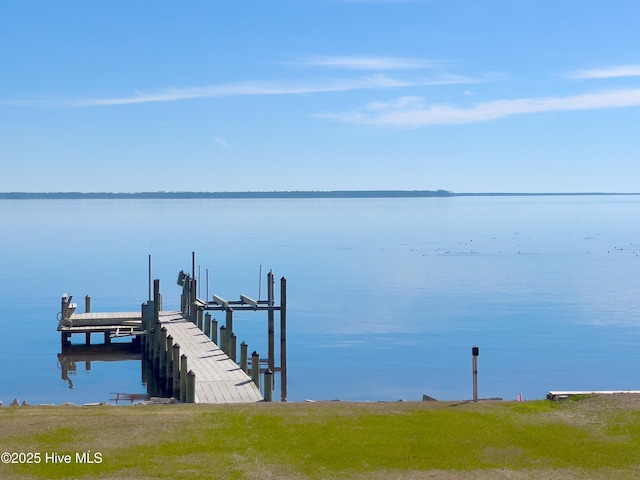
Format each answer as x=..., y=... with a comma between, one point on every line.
x=73, y=355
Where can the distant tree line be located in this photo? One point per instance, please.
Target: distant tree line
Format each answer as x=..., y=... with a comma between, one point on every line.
x=276, y=194
x=198, y=195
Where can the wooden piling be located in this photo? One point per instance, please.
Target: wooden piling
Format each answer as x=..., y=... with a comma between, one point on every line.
x=183, y=378
x=170, y=367
x=156, y=348
x=271, y=355
x=87, y=339
x=64, y=311
x=229, y=321
x=214, y=331
x=268, y=385
x=162, y=356
x=207, y=324
x=224, y=340
x=233, y=343
x=199, y=319
x=193, y=306
x=255, y=368
x=176, y=371
x=191, y=387
x=283, y=338
x=65, y=340
x=156, y=300
x=87, y=304
x=244, y=357
x=143, y=338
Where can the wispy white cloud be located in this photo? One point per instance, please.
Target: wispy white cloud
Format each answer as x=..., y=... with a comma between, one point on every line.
x=609, y=72
x=370, y=82
x=414, y=112
x=254, y=89
x=370, y=62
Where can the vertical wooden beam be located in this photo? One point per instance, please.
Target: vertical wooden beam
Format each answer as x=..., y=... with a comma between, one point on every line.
x=255, y=368
x=156, y=348
x=224, y=340
x=283, y=338
x=176, y=371
x=162, y=357
x=271, y=354
x=170, y=366
x=183, y=378
x=199, y=318
x=64, y=310
x=191, y=387
x=87, y=309
x=214, y=331
x=233, y=345
x=244, y=357
x=156, y=300
x=207, y=324
x=229, y=321
x=268, y=385
x=193, y=309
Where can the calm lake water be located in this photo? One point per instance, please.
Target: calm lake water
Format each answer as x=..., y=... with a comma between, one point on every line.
x=386, y=297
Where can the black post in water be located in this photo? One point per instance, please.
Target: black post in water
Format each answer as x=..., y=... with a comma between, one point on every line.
x=475, y=352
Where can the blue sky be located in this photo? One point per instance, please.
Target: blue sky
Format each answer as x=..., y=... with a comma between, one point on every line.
x=467, y=95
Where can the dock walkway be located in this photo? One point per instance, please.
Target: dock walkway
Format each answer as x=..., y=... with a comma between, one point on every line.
x=218, y=378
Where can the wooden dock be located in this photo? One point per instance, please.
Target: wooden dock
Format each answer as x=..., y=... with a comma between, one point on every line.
x=182, y=354
x=218, y=379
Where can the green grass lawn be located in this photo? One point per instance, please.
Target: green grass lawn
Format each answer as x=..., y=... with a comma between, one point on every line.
x=591, y=438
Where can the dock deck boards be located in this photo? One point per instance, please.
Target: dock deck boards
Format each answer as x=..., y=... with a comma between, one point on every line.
x=218, y=378
x=115, y=322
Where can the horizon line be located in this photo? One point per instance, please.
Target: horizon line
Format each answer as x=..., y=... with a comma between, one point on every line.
x=389, y=193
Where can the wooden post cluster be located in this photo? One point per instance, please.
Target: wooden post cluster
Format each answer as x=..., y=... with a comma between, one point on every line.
x=227, y=340
x=167, y=372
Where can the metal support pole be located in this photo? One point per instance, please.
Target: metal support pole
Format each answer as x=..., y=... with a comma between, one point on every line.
x=475, y=352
